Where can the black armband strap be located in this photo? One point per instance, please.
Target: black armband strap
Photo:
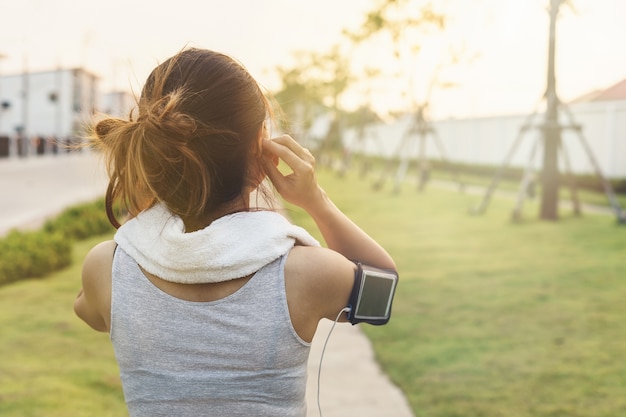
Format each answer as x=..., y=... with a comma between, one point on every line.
x=372, y=295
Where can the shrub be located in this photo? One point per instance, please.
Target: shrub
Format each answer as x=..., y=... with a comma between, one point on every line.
x=35, y=254
x=32, y=254
x=81, y=221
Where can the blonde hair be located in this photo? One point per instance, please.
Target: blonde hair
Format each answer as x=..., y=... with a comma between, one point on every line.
x=194, y=144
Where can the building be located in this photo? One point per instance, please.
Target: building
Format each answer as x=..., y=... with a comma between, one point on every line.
x=117, y=103
x=37, y=107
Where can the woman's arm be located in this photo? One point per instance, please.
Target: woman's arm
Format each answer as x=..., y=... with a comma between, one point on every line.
x=93, y=303
x=320, y=280
x=301, y=188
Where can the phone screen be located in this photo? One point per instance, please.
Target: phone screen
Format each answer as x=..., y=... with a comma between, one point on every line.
x=376, y=296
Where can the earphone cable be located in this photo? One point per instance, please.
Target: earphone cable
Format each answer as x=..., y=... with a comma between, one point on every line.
x=319, y=371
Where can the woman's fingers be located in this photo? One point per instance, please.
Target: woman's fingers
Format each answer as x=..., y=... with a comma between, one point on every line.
x=271, y=170
x=297, y=149
x=295, y=156
x=299, y=185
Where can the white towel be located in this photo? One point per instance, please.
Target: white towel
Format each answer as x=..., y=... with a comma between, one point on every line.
x=232, y=246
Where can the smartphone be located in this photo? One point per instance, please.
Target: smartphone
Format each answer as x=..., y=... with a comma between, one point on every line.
x=372, y=295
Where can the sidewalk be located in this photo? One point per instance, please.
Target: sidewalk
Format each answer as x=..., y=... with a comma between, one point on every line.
x=38, y=187
x=352, y=383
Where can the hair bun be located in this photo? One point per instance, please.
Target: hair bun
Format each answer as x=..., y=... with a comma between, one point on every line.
x=165, y=117
x=111, y=132
x=106, y=126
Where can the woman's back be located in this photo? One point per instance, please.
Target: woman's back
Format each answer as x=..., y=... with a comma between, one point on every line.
x=235, y=356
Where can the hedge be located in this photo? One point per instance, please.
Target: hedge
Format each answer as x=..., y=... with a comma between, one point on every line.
x=81, y=221
x=590, y=182
x=34, y=254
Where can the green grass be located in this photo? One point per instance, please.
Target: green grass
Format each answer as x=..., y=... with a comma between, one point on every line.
x=491, y=318
x=52, y=365
x=494, y=318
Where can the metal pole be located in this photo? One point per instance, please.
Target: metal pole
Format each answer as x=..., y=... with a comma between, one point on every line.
x=446, y=161
x=525, y=183
x=58, y=101
x=23, y=134
x=390, y=161
x=1, y=108
x=422, y=131
x=620, y=214
x=480, y=209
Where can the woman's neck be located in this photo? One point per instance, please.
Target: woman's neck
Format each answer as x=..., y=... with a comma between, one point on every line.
x=195, y=223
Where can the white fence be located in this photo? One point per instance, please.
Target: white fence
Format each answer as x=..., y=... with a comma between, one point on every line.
x=488, y=140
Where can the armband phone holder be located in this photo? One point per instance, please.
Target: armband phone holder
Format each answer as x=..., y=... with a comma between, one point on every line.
x=372, y=295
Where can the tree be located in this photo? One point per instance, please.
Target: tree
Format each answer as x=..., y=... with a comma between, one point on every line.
x=400, y=19
x=299, y=97
x=405, y=23
x=401, y=24
x=550, y=177
x=318, y=81
x=311, y=88
x=360, y=120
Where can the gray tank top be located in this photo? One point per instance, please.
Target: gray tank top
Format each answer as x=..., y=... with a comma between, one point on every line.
x=237, y=356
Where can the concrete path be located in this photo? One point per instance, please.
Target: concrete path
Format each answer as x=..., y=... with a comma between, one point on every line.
x=352, y=383
x=37, y=187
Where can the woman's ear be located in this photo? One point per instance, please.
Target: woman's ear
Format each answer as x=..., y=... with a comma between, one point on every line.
x=257, y=172
x=258, y=144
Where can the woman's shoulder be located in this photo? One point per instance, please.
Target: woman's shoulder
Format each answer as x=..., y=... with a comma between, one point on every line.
x=93, y=303
x=97, y=268
x=319, y=277
x=311, y=261
x=100, y=254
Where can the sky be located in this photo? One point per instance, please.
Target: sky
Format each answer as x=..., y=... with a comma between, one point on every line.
x=502, y=71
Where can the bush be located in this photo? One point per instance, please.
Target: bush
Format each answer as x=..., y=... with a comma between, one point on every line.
x=81, y=221
x=35, y=254
x=32, y=254
x=583, y=181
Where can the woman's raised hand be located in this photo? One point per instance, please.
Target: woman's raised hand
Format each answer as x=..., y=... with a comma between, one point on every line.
x=299, y=187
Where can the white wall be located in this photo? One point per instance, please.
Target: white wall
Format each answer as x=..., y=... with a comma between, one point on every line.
x=76, y=95
x=488, y=140
x=117, y=103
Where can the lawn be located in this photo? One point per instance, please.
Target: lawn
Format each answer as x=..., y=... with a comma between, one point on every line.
x=52, y=365
x=491, y=318
x=494, y=318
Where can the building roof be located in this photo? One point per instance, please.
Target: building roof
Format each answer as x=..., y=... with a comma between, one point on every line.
x=614, y=92
x=38, y=72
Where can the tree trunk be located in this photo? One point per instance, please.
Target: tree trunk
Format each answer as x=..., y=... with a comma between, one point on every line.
x=551, y=131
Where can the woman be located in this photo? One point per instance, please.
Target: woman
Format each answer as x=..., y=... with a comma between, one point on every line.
x=212, y=304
